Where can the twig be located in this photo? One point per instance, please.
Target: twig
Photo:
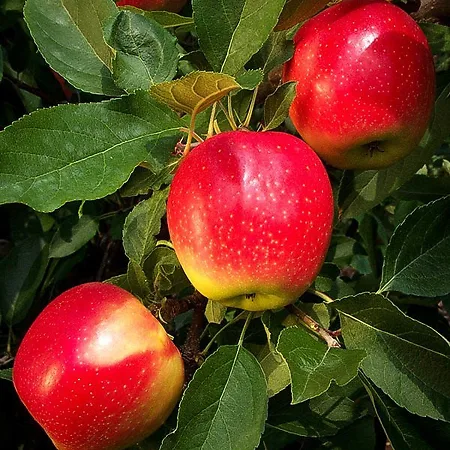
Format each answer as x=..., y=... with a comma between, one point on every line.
x=312, y=325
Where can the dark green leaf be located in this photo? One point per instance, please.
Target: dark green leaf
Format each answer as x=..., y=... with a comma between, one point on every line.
x=224, y=405
x=142, y=225
x=313, y=365
x=396, y=423
x=328, y=416
x=250, y=79
x=137, y=281
x=146, y=54
x=69, y=35
x=277, y=50
x=230, y=32
x=79, y=152
x=21, y=273
x=424, y=188
x=418, y=255
x=164, y=272
x=275, y=369
x=438, y=37
x=405, y=358
x=297, y=11
x=165, y=18
x=359, y=435
x=73, y=233
x=6, y=374
x=276, y=106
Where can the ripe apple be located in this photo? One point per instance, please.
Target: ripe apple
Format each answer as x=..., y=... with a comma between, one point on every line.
x=155, y=5
x=97, y=370
x=366, y=84
x=250, y=217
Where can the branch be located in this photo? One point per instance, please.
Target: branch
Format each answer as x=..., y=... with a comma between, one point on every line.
x=312, y=325
x=432, y=9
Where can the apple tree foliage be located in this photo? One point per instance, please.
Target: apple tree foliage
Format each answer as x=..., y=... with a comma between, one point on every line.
x=96, y=105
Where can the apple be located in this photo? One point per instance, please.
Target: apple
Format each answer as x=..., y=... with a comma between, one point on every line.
x=96, y=370
x=366, y=84
x=250, y=217
x=155, y=5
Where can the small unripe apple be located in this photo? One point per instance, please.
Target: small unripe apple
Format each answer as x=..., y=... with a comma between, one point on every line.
x=155, y=5
x=250, y=217
x=97, y=371
x=366, y=84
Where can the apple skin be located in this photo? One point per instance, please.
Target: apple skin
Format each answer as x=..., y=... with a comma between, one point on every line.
x=97, y=371
x=155, y=5
x=250, y=217
x=366, y=84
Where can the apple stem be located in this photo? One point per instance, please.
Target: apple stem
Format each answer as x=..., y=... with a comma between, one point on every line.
x=311, y=325
x=231, y=322
x=246, y=123
x=217, y=130
x=321, y=295
x=211, y=121
x=194, y=135
x=229, y=117
x=244, y=329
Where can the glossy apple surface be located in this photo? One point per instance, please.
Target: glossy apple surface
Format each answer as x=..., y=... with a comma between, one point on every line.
x=155, y=5
x=366, y=84
x=96, y=370
x=250, y=217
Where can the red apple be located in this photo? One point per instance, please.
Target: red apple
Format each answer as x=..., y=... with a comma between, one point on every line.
x=366, y=84
x=155, y=5
x=250, y=216
x=97, y=370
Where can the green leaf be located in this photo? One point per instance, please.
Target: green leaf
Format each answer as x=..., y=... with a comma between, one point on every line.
x=250, y=79
x=121, y=281
x=73, y=234
x=164, y=18
x=79, y=152
x=215, y=312
x=194, y=92
x=276, y=106
x=438, y=37
x=146, y=54
x=142, y=225
x=224, y=405
x=297, y=11
x=21, y=273
x=275, y=370
x=69, y=35
x=137, y=281
x=276, y=51
x=313, y=365
x=405, y=358
x=6, y=374
x=143, y=180
x=230, y=32
x=395, y=421
x=424, y=188
x=164, y=272
x=358, y=435
x=418, y=255
x=328, y=416
x=361, y=191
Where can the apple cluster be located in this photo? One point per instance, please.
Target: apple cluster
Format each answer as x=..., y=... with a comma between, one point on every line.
x=250, y=215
